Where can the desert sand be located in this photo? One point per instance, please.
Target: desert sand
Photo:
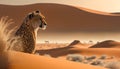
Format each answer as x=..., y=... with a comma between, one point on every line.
x=111, y=53
x=57, y=58
x=19, y=60
x=27, y=61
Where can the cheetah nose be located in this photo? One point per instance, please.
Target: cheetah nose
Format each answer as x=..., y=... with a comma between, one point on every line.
x=45, y=24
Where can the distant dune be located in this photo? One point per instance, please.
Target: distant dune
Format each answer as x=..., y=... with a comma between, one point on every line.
x=63, y=18
x=64, y=51
x=75, y=42
x=78, y=44
x=97, y=12
x=118, y=13
x=107, y=44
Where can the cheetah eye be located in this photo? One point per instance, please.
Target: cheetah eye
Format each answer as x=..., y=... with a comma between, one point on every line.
x=37, y=11
x=31, y=16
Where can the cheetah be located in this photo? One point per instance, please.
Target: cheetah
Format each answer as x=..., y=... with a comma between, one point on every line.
x=24, y=39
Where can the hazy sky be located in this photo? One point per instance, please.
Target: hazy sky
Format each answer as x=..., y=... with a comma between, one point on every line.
x=101, y=5
x=83, y=37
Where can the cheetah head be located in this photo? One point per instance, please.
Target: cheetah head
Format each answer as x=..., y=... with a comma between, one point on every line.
x=37, y=20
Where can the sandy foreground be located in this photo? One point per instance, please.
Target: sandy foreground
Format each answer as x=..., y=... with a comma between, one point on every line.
x=20, y=60
x=56, y=58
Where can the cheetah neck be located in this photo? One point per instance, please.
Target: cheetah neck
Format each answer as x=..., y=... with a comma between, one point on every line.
x=36, y=30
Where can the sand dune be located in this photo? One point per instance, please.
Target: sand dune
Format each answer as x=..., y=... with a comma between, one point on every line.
x=78, y=44
x=97, y=12
x=107, y=44
x=58, y=52
x=75, y=42
x=118, y=13
x=63, y=18
x=27, y=61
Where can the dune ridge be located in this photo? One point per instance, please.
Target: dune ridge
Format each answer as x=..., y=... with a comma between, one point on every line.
x=107, y=44
x=97, y=12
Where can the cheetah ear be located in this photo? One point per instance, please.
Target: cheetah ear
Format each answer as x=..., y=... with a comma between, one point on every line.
x=31, y=15
x=37, y=11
